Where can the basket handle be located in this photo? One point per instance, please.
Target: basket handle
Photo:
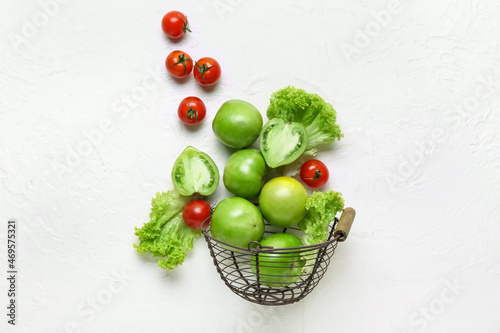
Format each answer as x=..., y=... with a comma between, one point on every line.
x=345, y=223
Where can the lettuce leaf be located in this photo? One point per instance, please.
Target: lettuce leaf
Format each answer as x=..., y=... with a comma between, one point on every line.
x=166, y=235
x=322, y=207
x=319, y=117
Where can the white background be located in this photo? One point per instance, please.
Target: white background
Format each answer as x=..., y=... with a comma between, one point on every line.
x=416, y=88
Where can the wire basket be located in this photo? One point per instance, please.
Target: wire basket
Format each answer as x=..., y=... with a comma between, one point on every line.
x=269, y=276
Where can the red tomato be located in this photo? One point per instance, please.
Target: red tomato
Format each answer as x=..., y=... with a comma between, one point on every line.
x=175, y=24
x=191, y=110
x=195, y=212
x=314, y=173
x=179, y=64
x=207, y=71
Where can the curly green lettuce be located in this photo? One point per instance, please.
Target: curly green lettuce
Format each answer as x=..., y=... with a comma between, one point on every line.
x=319, y=117
x=322, y=207
x=166, y=235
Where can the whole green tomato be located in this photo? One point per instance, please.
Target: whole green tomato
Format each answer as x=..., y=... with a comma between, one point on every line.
x=279, y=268
x=245, y=173
x=282, y=201
x=237, y=124
x=237, y=221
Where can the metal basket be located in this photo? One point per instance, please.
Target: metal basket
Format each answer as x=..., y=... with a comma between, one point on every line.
x=248, y=272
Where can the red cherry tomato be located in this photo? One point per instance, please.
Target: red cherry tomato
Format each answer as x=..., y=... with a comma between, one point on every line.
x=207, y=71
x=191, y=110
x=314, y=173
x=195, y=212
x=175, y=24
x=179, y=64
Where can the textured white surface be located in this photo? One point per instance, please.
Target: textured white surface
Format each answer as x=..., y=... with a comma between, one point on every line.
x=417, y=98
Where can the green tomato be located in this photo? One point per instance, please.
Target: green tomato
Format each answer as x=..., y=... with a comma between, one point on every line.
x=237, y=124
x=279, y=269
x=245, y=173
x=194, y=172
x=282, y=143
x=282, y=201
x=237, y=221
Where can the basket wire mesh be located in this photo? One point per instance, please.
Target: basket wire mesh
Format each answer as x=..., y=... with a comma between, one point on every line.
x=249, y=272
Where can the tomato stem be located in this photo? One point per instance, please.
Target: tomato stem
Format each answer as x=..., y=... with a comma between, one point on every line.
x=186, y=24
x=202, y=69
x=191, y=113
x=182, y=60
x=317, y=175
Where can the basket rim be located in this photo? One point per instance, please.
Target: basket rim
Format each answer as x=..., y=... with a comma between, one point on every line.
x=254, y=247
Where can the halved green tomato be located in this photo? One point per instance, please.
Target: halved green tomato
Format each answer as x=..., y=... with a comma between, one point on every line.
x=282, y=143
x=194, y=172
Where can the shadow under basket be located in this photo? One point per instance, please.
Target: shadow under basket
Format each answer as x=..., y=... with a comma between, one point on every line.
x=269, y=276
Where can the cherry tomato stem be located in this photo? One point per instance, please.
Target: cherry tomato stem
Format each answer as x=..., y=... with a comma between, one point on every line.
x=203, y=69
x=182, y=60
x=186, y=23
x=317, y=174
x=193, y=114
